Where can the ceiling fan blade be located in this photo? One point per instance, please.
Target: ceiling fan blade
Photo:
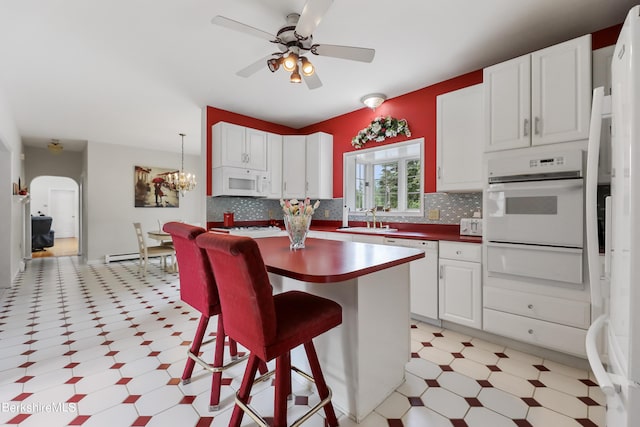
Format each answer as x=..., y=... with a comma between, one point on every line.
x=243, y=28
x=311, y=16
x=345, y=52
x=254, y=67
x=312, y=81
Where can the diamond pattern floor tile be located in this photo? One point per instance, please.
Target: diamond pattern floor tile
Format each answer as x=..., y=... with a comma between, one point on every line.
x=111, y=346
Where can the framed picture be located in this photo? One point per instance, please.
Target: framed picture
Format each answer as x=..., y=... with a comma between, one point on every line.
x=152, y=189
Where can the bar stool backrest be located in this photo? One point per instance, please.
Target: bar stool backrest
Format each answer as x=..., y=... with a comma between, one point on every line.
x=244, y=289
x=197, y=284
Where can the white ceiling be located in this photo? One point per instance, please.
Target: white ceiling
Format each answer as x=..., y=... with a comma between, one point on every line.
x=138, y=72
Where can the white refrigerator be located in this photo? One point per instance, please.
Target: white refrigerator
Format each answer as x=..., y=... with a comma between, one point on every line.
x=613, y=340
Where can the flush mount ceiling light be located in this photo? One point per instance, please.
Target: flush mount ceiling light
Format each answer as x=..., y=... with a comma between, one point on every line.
x=55, y=147
x=373, y=100
x=181, y=181
x=294, y=40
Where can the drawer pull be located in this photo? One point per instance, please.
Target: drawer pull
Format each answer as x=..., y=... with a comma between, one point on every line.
x=530, y=306
x=530, y=331
x=458, y=252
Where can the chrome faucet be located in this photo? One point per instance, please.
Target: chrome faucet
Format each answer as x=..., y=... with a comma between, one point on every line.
x=373, y=212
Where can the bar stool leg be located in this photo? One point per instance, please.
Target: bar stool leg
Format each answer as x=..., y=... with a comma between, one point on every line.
x=283, y=389
x=218, y=360
x=195, y=348
x=323, y=390
x=245, y=390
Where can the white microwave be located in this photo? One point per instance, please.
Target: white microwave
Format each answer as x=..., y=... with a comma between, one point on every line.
x=228, y=181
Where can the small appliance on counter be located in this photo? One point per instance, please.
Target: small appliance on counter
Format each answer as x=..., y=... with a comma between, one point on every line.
x=228, y=220
x=471, y=226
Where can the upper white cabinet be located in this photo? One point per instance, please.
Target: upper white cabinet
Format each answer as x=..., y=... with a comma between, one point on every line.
x=307, y=166
x=460, y=135
x=319, y=166
x=540, y=98
x=294, y=170
x=238, y=146
x=274, y=166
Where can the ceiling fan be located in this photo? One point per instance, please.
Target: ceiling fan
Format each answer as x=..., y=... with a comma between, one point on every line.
x=295, y=40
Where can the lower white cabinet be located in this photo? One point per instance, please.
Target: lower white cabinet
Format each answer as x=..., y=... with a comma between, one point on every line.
x=423, y=276
x=329, y=235
x=368, y=238
x=545, y=334
x=460, y=283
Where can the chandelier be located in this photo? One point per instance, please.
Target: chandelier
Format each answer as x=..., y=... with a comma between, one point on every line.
x=181, y=181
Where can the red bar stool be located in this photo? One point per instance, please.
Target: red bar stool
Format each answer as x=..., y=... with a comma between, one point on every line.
x=270, y=326
x=198, y=289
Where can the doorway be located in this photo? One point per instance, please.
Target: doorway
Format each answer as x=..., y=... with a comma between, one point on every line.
x=58, y=198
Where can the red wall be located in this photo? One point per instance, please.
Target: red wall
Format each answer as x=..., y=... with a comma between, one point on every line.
x=418, y=108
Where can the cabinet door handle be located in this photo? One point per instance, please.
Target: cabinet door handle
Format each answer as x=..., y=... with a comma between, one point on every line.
x=442, y=271
x=306, y=186
x=285, y=186
x=526, y=127
x=536, y=126
x=439, y=172
x=530, y=331
x=530, y=306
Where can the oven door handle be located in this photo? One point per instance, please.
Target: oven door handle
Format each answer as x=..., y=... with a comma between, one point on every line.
x=542, y=185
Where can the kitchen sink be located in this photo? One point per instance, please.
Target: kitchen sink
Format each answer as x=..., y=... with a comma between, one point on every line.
x=382, y=230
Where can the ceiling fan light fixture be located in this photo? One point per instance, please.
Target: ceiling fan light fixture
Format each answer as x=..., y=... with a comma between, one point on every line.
x=307, y=67
x=274, y=64
x=290, y=62
x=373, y=100
x=295, y=76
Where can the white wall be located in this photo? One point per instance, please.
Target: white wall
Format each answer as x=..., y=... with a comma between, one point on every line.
x=11, y=208
x=110, y=212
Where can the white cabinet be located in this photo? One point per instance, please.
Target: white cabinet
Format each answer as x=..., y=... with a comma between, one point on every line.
x=294, y=171
x=274, y=166
x=602, y=77
x=238, y=146
x=307, y=166
x=460, y=136
x=460, y=283
x=540, y=98
x=367, y=238
x=329, y=235
x=319, y=166
x=423, y=276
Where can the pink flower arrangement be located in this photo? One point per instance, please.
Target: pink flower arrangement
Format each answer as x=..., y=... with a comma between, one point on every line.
x=294, y=207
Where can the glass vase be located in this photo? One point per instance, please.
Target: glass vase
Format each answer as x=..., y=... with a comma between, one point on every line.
x=297, y=227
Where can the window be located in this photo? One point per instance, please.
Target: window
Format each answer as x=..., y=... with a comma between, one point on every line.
x=388, y=178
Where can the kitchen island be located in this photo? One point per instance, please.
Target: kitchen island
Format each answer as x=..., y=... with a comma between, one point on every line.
x=363, y=359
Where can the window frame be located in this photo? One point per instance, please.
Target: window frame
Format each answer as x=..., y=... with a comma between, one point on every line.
x=353, y=160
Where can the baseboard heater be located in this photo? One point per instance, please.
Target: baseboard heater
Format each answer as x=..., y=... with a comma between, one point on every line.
x=120, y=257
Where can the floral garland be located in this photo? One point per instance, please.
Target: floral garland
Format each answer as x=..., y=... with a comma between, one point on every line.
x=380, y=129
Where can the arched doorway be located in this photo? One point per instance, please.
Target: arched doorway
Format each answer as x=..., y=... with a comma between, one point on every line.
x=59, y=198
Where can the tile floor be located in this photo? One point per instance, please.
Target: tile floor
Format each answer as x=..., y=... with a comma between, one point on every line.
x=96, y=345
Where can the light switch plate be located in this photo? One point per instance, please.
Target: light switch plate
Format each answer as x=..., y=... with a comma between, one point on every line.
x=434, y=213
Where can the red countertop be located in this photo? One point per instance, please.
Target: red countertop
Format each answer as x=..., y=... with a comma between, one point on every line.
x=328, y=261
x=450, y=232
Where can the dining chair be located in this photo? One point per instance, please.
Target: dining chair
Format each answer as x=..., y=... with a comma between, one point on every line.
x=145, y=251
x=268, y=325
x=198, y=289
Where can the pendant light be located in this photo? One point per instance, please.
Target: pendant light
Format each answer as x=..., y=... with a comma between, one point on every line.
x=181, y=181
